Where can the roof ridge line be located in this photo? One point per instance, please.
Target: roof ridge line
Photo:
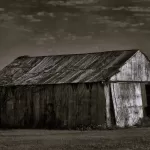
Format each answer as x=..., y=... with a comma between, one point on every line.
x=27, y=56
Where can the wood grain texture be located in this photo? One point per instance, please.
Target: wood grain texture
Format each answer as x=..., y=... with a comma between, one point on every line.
x=108, y=112
x=137, y=68
x=60, y=69
x=127, y=101
x=74, y=104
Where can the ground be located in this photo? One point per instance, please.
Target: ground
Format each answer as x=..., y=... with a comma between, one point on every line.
x=125, y=139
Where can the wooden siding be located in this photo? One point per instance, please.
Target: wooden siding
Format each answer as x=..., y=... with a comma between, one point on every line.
x=75, y=104
x=108, y=98
x=137, y=68
x=127, y=101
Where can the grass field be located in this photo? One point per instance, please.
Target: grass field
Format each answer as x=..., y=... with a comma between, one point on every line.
x=126, y=139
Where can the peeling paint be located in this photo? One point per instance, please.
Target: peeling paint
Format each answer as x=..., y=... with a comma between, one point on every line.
x=135, y=69
x=127, y=100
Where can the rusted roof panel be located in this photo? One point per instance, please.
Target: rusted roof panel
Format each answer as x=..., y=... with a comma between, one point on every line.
x=58, y=69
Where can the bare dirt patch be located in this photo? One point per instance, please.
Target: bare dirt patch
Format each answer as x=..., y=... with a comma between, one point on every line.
x=126, y=139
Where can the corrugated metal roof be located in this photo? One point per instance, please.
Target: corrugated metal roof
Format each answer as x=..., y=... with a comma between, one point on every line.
x=57, y=69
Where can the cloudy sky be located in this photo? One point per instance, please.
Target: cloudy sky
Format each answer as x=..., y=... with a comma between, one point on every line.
x=45, y=27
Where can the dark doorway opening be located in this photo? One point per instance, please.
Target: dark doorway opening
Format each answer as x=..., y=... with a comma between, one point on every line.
x=147, y=109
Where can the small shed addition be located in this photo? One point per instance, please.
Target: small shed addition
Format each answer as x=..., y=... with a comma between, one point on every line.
x=103, y=88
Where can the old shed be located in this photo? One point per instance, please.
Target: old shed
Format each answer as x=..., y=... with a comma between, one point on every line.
x=103, y=88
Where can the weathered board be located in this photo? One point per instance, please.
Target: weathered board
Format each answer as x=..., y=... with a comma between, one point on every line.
x=108, y=107
x=75, y=104
x=137, y=68
x=127, y=101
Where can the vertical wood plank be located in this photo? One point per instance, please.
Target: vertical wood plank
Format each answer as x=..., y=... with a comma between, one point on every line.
x=108, y=113
x=100, y=105
x=127, y=99
x=36, y=107
x=137, y=68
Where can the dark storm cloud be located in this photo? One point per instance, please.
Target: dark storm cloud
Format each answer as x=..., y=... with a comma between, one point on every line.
x=66, y=27
x=117, y=3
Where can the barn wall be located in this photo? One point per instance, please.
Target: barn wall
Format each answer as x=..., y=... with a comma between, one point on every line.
x=137, y=68
x=108, y=106
x=75, y=104
x=127, y=101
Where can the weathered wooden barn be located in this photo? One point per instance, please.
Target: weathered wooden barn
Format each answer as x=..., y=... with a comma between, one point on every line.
x=103, y=88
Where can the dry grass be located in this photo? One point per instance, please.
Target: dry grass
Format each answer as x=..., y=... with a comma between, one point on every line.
x=127, y=139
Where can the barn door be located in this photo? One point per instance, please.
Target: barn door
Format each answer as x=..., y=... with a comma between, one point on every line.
x=127, y=101
x=147, y=102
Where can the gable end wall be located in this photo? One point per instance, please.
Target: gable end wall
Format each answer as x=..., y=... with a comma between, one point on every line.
x=137, y=68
